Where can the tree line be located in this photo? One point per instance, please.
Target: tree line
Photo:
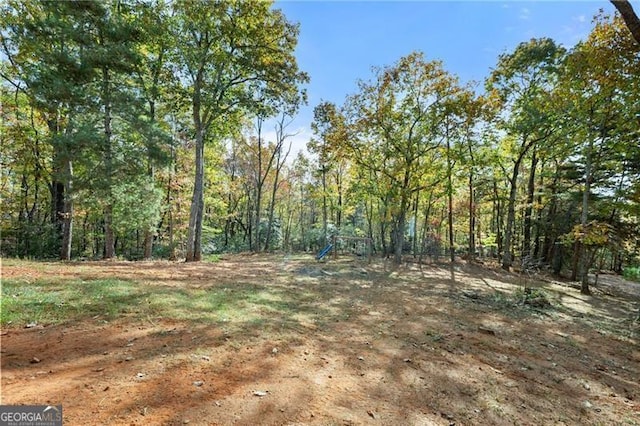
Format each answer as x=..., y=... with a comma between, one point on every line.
x=139, y=129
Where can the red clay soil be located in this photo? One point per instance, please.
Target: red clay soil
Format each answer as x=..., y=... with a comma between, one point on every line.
x=350, y=344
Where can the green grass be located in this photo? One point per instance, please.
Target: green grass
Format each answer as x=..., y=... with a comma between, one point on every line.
x=212, y=258
x=632, y=273
x=54, y=301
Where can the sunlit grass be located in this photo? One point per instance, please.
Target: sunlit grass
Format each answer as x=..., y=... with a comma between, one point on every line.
x=53, y=301
x=632, y=273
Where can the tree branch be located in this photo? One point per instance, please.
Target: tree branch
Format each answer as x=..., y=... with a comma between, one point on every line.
x=629, y=16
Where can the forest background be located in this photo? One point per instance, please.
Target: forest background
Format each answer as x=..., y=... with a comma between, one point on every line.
x=163, y=129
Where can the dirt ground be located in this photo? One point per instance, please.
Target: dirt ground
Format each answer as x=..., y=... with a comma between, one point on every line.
x=335, y=343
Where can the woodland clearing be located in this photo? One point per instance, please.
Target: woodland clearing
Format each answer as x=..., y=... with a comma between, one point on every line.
x=285, y=340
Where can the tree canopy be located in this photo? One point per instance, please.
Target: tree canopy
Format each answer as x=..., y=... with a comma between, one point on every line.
x=160, y=129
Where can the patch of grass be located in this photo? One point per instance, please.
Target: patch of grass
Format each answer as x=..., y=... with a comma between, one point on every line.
x=54, y=301
x=212, y=258
x=631, y=273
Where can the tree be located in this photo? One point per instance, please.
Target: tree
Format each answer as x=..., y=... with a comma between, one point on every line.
x=45, y=45
x=396, y=127
x=630, y=18
x=329, y=126
x=523, y=79
x=155, y=80
x=280, y=158
x=233, y=55
x=599, y=84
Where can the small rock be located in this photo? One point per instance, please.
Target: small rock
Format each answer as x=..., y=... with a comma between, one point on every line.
x=140, y=375
x=129, y=358
x=99, y=369
x=198, y=383
x=587, y=404
x=274, y=351
x=586, y=386
x=361, y=358
x=34, y=360
x=31, y=325
x=372, y=414
x=407, y=360
x=205, y=358
x=217, y=403
x=186, y=421
x=260, y=393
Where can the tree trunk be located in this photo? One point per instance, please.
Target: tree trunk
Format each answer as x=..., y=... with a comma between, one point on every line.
x=550, y=221
x=584, y=263
x=109, y=238
x=452, y=250
x=57, y=185
x=472, y=218
x=538, y=227
x=399, y=235
x=272, y=206
x=507, y=257
x=149, y=232
x=497, y=219
x=324, y=204
x=400, y=222
x=259, y=184
x=67, y=223
x=194, y=235
x=526, y=243
x=415, y=210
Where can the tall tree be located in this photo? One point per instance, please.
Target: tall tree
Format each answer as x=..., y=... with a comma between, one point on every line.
x=329, y=127
x=524, y=79
x=57, y=50
x=233, y=55
x=397, y=121
x=156, y=81
x=599, y=83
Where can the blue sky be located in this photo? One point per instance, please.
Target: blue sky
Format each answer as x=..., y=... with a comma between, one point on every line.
x=341, y=40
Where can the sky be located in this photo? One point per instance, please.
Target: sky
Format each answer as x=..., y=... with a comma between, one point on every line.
x=340, y=41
